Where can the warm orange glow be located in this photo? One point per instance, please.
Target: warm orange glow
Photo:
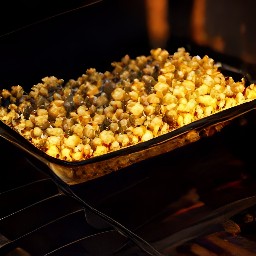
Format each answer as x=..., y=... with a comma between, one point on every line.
x=188, y=209
x=198, y=22
x=199, y=30
x=157, y=22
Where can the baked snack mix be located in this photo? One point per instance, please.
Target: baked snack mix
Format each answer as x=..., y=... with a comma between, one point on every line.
x=138, y=100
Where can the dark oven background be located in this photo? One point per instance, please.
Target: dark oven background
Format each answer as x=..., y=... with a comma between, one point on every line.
x=94, y=36
x=66, y=45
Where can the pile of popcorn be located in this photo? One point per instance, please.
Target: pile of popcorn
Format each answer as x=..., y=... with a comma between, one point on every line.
x=138, y=100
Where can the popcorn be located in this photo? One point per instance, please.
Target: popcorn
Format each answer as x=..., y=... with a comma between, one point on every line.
x=138, y=100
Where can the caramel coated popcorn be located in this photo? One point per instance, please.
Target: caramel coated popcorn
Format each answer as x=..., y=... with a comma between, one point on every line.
x=138, y=100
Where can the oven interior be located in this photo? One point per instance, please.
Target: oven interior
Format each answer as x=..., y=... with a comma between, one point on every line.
x=195, y=200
